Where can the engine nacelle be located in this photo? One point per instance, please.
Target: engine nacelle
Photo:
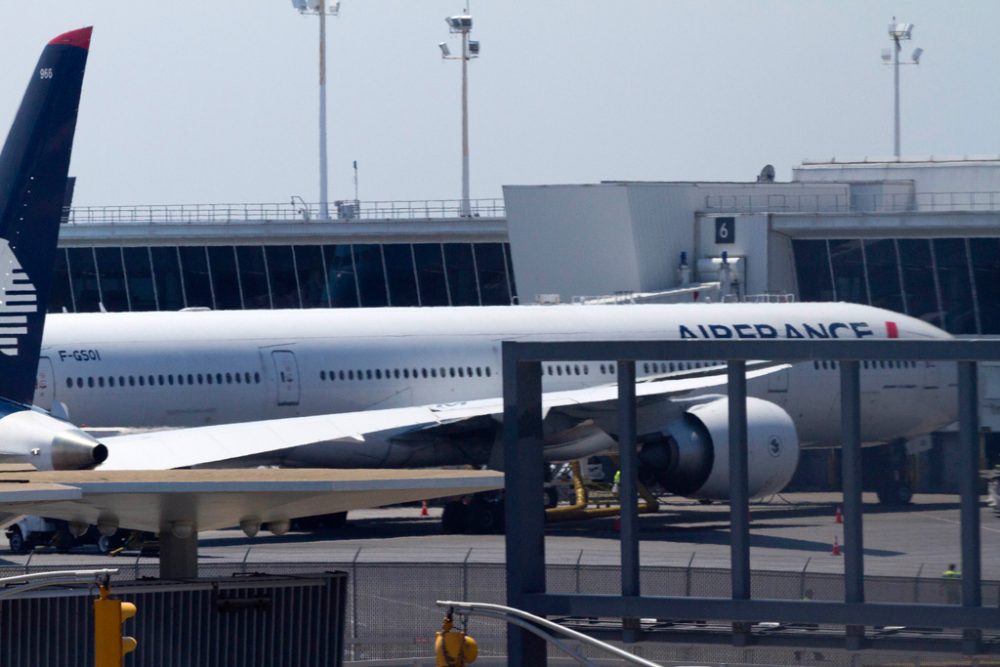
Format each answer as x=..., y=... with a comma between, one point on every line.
x=29, y=436
x=692, y=459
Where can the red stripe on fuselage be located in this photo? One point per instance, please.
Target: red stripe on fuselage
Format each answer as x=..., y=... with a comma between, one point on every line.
x=891, y=330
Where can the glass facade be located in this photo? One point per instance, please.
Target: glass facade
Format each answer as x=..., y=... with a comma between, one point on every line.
x=953, y=283
x=226, y=277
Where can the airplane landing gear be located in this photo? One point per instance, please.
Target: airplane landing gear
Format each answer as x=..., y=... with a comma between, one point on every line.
x=482, y=515
x=893, y=488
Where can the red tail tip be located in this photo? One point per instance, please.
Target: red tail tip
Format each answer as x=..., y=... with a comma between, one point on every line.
x=79, y=38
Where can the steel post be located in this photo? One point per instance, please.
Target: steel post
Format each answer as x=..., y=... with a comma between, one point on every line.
x=850, y=436
x=525, y=514
x=628, y=492
x=739, y=501
x=968, y=484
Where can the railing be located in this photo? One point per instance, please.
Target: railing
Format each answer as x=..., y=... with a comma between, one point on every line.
x=858, y=202
x=294, y=211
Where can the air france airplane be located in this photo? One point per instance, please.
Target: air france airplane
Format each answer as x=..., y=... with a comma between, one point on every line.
x=421, y=386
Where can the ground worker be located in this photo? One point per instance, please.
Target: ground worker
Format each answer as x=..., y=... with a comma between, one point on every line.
x=951, y=583
x=617, y=485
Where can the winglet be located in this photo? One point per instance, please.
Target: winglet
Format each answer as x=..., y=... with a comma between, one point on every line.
x=79, y=38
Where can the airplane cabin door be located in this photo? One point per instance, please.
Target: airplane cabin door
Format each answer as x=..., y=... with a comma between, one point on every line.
x=286, y=376
x=45, y=384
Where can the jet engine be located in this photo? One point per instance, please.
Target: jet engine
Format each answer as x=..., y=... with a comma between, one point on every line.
x=47, y=443
x=691, y=456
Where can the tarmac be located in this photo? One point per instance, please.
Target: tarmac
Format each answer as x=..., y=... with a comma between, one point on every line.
x=791, y=532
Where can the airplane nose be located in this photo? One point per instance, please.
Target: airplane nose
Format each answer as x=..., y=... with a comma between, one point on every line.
x=73, y=449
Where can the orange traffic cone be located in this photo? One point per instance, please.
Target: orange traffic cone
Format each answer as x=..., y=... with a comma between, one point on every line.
x=423, y=508
x=838, y=516
x=836, y=547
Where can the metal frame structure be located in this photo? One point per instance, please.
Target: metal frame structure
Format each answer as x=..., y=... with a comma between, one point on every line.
x=525, y=543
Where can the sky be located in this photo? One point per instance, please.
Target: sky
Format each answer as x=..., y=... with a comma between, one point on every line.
x=217, y=102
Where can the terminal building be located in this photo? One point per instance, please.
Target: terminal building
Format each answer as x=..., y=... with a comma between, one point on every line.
x=918, y=236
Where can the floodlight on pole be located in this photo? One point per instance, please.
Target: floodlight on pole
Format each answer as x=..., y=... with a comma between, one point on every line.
x=898, y=32
x=321, y=9
x=461, y=24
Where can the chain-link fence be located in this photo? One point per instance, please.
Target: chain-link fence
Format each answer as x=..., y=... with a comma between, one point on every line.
x=391, y=612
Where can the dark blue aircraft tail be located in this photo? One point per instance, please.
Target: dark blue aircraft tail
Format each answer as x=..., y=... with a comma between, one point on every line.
x=33, y=169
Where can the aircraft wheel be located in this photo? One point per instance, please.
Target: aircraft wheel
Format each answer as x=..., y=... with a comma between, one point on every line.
x=454, y=518
x=895, y=494
x=486, y=517
x=17, y=542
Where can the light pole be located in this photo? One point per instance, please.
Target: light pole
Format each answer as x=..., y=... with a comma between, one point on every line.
x=898, y=32
x=461, y=24
x=321, y=9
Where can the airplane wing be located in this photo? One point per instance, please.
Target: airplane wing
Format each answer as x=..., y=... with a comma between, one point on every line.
x=155, y=500
x=210, y=445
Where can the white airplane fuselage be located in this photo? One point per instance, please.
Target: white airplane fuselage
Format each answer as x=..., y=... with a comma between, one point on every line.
x=176, y=369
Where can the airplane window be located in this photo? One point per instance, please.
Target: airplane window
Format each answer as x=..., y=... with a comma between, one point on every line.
x=406, y=373
x=111, y=381
x=368, y=373
x=229, y=378
x=452, y=371
x=461, y=372
x=161, y=380
x=340, y=376
x=576, y=370
x=208, y=378
x=645, y=368
x=180, y=378
x=256, y=378
x=586, y=370
x=90, y=382
x=142, y=380
x=350, y=375
x=131, y=380
x=170, y=379
x=468, y=371
x=200, y=378
x=378, y=373
x=218, y=378
x=434, y=372
x=479, y=372
x=601, y=368
x=151, y=380
x=558, y=370
x=442, y=372
x=239, y=380
x=69, y=383
x=322, y=375
x=190, y=379
x=395, y=373
x=613, y=368
x=488, y=371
